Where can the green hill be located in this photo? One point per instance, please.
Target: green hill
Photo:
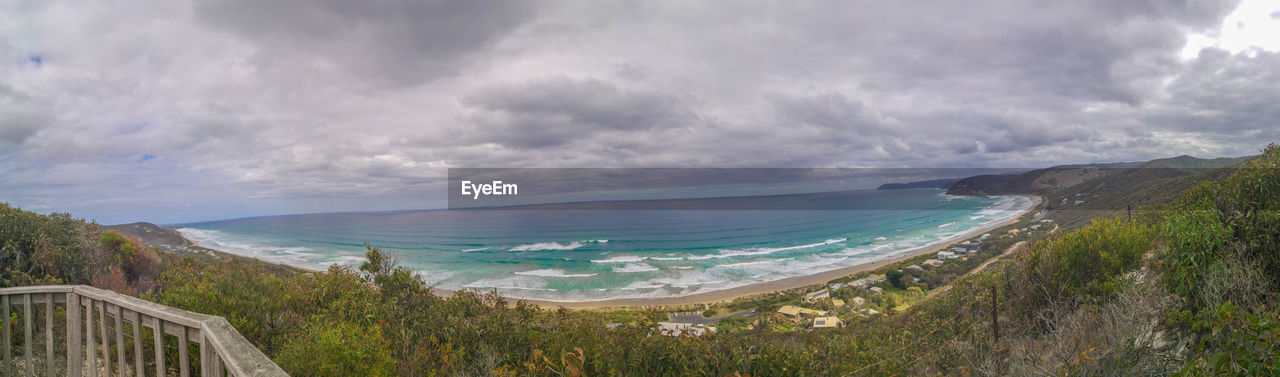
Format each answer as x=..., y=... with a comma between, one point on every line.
x=1074, y=194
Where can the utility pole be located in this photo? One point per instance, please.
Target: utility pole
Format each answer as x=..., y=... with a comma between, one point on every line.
x=995, y=315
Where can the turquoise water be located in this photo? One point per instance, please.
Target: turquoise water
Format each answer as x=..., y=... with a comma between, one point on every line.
x=603, y=254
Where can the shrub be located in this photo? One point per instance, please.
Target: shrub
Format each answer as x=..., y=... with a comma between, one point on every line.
x=1240, y=214
x=336, y=348
x=252, y=300
x=1092, y=261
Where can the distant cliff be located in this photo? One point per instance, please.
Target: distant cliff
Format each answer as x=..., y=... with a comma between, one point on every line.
x=934, y=183
x=1039, y=181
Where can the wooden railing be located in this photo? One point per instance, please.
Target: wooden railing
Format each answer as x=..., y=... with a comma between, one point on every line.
x=93, y=320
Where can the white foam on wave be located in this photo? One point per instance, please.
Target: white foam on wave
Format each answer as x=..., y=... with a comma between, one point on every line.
x=349, y=260
x=511, y=283
x=742, y=264
x=620, y=259
x=634, y=267
x=475, y=249
x=946, y=225
x=755, y=251
x=881, y=238
x=290, y=255
x=547, y=246
x=553, y=272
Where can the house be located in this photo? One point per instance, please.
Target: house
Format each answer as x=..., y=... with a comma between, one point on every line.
x=944, y=255
x=859, y=301
x=817, y=296
x=796, y=312
x=827, y=323
x=1034, y=227
x=679, y=328
x=877, y=290
x=867, y=312
x=933, y=263
x=837, y=303
x=1014, y=231
x=836, y=286
x=914, y=268
x=867, y=281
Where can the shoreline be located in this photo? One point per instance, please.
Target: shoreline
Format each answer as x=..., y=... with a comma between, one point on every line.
x=763, y=288
x=730, y=294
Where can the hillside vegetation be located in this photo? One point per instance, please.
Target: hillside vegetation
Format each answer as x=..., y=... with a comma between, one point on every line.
x=1187, y=289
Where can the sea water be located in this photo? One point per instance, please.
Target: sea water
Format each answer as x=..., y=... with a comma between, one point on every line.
x=578, y=255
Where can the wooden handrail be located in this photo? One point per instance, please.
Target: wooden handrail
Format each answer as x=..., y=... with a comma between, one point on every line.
x=222, y=350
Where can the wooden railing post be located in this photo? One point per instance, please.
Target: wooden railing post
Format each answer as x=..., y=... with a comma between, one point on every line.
x=137, y=344
x=119, y=314
x=48, y=334
x=26, y=335
x=8, y=360
x=184, y=360
x=73, y=335
x=90, y=344
x=102, y=330
x=207, y=358
x=159, y=331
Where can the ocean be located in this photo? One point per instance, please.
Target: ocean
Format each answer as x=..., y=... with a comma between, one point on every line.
x=582, y=255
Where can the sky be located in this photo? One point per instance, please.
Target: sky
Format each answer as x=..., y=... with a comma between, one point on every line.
x=176, y=111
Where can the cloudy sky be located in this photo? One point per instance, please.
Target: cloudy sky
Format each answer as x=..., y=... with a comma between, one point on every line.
x=173, y=111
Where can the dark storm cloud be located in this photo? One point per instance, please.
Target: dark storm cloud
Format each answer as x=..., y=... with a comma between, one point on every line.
x=553, y=111
x=297, y=106
x=397, y=42
x=20, y=116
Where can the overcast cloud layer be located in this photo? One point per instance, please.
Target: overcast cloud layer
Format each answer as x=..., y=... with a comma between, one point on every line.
x=172, y=111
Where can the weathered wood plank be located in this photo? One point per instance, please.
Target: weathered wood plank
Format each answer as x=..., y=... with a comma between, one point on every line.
x=48, y=334
x=73, y=335
x=159, y=332
x=137, y=344
x=120, y=340
x=169, y=314
x=241, y=357
x=37, y=289
x=26, y=335
x=207, y=358
x=102, y=329
x=8, y=336
x=90, y=342
x=184, y=360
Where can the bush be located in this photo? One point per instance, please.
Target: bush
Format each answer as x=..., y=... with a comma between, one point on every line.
x=1239, y=214
x=38, y=248
x=253, y=301
x=1087, y=266
x=1091, y=262
x=336, y=348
